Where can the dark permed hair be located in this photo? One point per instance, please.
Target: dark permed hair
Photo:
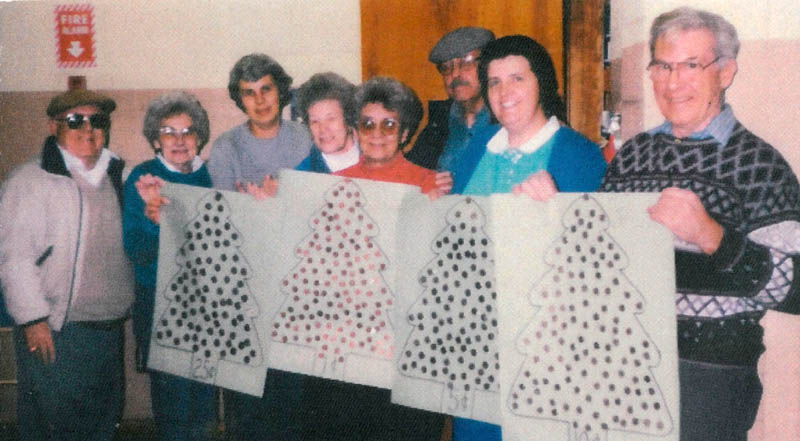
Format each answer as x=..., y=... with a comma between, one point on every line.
x=395, y=96
x=325, y=86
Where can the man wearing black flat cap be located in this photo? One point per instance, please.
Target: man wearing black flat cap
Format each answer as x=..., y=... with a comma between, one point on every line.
x=452, y=122
x=66, y=281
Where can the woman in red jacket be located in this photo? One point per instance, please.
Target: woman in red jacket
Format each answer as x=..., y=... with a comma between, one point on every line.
x=389, y=114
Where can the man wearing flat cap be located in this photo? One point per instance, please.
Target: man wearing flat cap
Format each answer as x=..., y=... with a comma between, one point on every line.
x=451, y=123
x=65, y=278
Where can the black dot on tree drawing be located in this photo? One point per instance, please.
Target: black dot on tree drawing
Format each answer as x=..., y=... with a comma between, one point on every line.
x=588, y=358
x=453, y=341
x=200, y=297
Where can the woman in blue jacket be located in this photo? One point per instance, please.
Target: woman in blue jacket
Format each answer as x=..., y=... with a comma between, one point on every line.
x=519, y=84
x=530, y=151
x=176, y=126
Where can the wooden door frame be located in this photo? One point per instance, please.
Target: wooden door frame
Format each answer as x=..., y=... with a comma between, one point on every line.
x=583, y=65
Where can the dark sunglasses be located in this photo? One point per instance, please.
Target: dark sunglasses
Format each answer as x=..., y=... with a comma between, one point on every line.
x=96, y=120
x=388, y=126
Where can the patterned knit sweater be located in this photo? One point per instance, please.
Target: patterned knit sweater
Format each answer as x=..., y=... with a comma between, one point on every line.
x=750, y=190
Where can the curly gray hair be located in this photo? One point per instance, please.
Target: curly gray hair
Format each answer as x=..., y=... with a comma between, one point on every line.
x=171, y=104
x=396, y=97
x=328, y=86
x=726, y=39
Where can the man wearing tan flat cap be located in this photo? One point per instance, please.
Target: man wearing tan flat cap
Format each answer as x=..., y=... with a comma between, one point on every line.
x=65, y=278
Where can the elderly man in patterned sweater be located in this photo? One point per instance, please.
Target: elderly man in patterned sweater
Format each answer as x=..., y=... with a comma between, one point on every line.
x=732, y=203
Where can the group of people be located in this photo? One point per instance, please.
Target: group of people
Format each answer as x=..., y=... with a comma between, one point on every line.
x=729, y=198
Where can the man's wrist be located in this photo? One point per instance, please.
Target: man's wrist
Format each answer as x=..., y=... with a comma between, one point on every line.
x=710, y=242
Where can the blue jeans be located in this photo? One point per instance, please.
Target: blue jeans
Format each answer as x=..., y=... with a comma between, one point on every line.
x=183, y=410
x=81, y=394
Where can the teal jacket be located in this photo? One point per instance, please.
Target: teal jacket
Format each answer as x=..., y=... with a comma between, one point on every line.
x=576, y=163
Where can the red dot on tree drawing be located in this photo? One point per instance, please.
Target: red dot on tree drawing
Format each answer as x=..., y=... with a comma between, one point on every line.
x=588, y=358
x=337, y=300
x=454, y=320
x=211, y=309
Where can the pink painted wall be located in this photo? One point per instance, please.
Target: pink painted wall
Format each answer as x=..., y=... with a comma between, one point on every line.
x=765, y=94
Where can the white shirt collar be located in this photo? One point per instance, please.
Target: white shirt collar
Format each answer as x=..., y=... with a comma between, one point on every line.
x=341, y=161
x=196, y=163
x=499, y=142
x=93, y=176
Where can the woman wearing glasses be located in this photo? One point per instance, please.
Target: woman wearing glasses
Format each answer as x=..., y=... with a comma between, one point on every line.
x=176, y=126
x=389, y=114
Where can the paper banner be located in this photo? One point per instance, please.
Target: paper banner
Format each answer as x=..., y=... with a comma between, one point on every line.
x=588, y=345
x=550, y=317
x=212, y=293
x=336, y=267
x=447, y=316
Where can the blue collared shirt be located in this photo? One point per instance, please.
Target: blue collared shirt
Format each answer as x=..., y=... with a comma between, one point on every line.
x=459, y=135
x=720, y=128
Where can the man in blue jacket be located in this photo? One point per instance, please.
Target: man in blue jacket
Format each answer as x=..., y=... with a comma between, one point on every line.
x=453, y=122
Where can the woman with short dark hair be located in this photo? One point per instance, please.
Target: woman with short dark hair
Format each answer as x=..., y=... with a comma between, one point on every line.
x=389, y=113
x=529, y=151
x=246, y=157
x=253, y=67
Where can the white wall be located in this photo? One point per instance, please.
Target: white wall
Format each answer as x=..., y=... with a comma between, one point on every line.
x=754, y=21
x=185, y=44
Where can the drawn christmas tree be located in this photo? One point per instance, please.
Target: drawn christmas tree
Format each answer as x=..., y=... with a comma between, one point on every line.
x=455, y=320
x=211, y=309
x=337, y=300
x=588, y=357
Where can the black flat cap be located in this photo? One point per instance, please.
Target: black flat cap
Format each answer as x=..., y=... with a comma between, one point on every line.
x=456, y=43
x=79, y=97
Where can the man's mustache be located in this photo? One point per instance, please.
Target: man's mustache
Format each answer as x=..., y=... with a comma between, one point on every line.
x=458, y=82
